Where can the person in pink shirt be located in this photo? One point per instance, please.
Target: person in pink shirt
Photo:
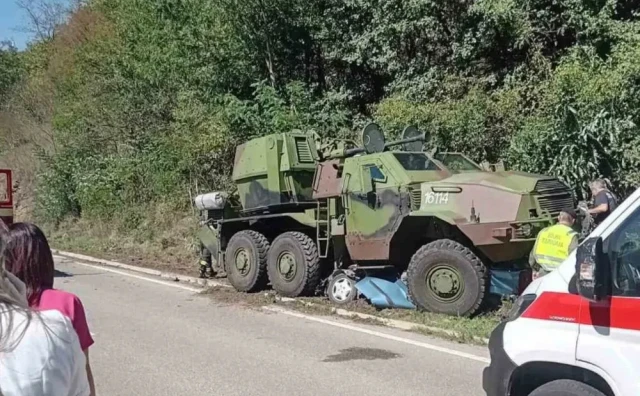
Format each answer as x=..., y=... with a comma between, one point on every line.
x=28, y=256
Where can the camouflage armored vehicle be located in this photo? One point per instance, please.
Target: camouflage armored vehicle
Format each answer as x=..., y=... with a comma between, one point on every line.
x=306, y=217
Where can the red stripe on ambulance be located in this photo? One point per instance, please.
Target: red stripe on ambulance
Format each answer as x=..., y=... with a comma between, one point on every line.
x=615, y=312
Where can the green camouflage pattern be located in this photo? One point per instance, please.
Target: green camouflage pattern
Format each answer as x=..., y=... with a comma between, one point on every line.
x=499, y=213
x=379, y=205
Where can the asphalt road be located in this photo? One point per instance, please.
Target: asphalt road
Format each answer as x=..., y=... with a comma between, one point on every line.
x=156, y=338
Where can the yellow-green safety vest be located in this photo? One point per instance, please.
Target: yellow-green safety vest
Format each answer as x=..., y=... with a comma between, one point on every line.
x=552, y=246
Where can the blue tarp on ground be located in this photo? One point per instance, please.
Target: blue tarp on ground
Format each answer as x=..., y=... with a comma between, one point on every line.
x=385, y=293
x=392, y=292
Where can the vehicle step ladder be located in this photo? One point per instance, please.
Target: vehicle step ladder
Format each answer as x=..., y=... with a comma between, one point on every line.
x=323, y=227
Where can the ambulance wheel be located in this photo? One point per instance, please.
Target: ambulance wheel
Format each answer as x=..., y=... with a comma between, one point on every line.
x=341, y=289
x=294, y=265
x=246, y=261
x=566, y=388
x=446, y=277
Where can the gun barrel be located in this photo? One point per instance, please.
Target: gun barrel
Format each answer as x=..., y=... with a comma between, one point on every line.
x=345, y=153
x=408, y=140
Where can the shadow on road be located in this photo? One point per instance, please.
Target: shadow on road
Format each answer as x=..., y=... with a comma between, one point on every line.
x=61, y=274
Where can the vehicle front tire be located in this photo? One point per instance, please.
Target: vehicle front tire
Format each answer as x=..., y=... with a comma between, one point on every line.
x=246, y=261
x=293, y=265
x=446, y=277
x=566, y=388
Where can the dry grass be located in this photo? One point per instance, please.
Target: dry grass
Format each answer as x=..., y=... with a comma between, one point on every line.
x=466, y=328
x=164, y=241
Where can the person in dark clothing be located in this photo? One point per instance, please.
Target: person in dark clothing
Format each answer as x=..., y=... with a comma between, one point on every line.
x=604, y=202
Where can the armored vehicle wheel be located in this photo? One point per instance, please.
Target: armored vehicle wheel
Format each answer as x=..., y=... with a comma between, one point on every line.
x=294, y=265
x=246, y=261
x=341, y=289
x=446, y=277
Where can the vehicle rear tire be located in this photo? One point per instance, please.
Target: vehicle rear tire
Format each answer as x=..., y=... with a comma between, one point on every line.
x=446, y=277
x=566, y=388
x=293, y=265
x=246, y=261
x=341, y=289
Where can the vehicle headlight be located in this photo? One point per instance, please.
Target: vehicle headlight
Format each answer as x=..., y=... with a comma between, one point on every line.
x=526, y=230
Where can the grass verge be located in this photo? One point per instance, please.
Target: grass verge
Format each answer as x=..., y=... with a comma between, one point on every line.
x=463, y=330
x=165, y=241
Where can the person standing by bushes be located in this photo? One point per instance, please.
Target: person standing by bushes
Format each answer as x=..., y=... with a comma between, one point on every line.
x=39, y=351
x=604, y=202
x=29, y=257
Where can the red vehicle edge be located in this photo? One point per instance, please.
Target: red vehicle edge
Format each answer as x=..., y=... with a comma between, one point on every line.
x=6, y=196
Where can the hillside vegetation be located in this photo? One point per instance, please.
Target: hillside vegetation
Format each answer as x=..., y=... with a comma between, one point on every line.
x=129, y=108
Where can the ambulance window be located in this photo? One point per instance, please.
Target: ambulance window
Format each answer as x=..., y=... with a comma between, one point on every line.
x=624, y=255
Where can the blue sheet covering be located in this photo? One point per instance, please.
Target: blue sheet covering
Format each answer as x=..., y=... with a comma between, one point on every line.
x=392, y=292
x=385, y=293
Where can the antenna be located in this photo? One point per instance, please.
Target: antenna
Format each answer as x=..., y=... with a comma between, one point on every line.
x=373, y=139
x=409, y=133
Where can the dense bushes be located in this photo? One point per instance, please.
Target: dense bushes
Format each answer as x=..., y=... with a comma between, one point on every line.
x=148, y=98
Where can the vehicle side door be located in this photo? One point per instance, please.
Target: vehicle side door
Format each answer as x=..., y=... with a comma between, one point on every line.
x=371, y=210
x=609, y=335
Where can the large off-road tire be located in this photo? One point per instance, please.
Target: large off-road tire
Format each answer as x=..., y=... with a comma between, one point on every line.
x=566, y=388
x=246, y=261
x=294, y=265
x=446, y=277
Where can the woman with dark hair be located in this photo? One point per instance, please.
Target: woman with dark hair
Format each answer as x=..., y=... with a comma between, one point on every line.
x=39, y=351
x=29, y=257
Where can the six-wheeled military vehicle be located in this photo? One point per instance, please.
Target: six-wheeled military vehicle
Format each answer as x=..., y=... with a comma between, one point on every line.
x=306, y=217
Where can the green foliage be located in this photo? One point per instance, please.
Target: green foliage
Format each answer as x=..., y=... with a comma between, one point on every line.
x=480, y=124
x=586, y=125
x=11, y=70
x=296, y=107
x=147, y=99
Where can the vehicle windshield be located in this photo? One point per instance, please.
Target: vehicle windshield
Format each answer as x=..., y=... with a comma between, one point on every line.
x=416, y=162
x=456, y=162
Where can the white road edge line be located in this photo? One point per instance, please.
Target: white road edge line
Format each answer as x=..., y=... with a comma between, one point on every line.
x=379, y=334
x=302, y=316
x=160, y=282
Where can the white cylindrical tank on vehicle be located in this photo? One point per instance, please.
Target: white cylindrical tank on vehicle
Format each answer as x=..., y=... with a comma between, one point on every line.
x=211, y=201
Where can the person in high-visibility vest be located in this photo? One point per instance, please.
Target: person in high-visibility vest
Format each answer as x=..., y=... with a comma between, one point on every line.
x=553, y=244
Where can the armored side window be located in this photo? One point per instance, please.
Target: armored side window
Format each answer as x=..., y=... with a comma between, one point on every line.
x=376, y=174
x=416, y=162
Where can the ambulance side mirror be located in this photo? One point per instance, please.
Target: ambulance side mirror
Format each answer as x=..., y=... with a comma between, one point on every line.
x=592, y=270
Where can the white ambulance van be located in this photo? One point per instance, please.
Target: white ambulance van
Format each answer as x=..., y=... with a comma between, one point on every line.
x=576, y=331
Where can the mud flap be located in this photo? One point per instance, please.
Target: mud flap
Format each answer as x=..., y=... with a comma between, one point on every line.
x=209, y=239
x=383, y=293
